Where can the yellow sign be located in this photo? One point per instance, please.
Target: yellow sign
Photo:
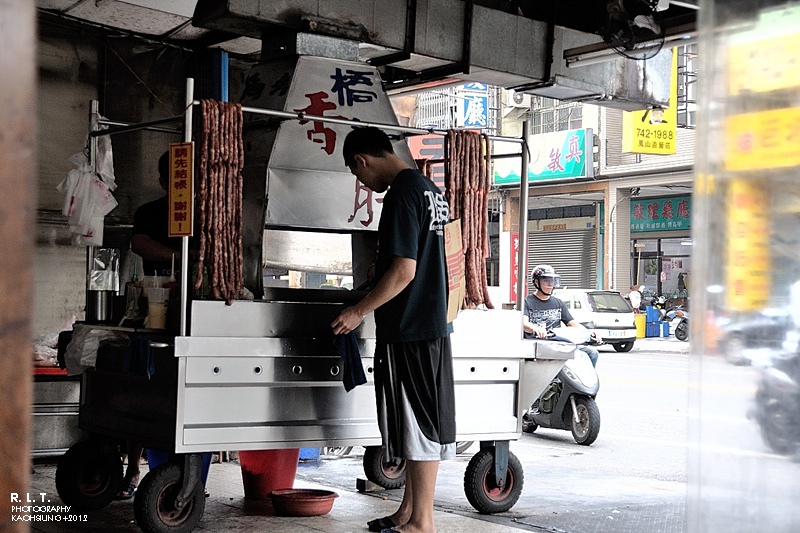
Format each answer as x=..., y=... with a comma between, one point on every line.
x=766, y=58
x=641, y=136
x=763, y=140
x=748, y=255
x=181, y=189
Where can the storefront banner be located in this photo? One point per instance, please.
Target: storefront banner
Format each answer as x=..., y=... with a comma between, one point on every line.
x=641, y=136
x=661, y=214
x=554, y=156
x=763, y=140
x=765, y=59
x=749, y=263
x=474, y=105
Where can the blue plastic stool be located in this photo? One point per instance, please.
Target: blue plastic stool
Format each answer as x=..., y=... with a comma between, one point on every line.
x=159, y=457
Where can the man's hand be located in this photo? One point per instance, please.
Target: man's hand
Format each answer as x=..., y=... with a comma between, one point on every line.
x=347, y=321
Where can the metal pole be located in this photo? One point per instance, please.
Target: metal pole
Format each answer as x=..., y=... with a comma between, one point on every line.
x=187, y=137
x=522, y=271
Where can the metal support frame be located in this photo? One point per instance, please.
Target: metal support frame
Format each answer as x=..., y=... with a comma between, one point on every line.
x=187, y=136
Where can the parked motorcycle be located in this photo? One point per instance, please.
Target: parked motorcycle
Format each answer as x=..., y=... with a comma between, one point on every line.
x=777, y=403
x=569, y=401
x=679, y=318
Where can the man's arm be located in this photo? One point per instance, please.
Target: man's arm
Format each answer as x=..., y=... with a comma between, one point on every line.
x=401, y=272
x=152, y=250
x=575, y=324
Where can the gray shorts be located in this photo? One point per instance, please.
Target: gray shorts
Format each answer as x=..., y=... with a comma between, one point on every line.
x=414, y=392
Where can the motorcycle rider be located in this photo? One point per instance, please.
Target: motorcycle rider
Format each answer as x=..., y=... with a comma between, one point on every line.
x=542, y=312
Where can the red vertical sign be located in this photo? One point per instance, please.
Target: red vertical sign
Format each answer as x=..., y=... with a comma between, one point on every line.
x=181, y=189
x=514, y=262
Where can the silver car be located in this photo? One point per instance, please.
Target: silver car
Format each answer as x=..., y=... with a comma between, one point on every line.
x=605, y=312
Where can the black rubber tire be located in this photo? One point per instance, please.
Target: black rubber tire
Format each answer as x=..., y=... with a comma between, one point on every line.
x=528, y=425
x=88, y=477
x=337, y=451
x=586, y=431
x=387, y=475
x=463, y=445
x=779, y=425
x=481, y=488
x=682, y=331
x=623, y=346
x=154, y=503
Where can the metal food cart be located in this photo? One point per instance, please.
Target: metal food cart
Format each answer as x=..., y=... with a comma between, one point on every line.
x=264, y=374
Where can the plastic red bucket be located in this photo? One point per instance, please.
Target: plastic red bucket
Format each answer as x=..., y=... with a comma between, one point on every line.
x=264, y=471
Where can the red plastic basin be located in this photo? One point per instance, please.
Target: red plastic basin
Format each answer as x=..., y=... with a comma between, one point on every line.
x=302, y=502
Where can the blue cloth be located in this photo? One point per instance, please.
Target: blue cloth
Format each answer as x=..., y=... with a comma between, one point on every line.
x=352, y=369
x=139, y=357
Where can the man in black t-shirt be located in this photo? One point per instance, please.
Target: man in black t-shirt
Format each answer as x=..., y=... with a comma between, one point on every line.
x=150, y=236
x=413, y=364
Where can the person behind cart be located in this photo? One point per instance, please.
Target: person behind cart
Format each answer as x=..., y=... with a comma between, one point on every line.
x=160, y=254
x=414, y=384
x=150, y=236
x=542, y=312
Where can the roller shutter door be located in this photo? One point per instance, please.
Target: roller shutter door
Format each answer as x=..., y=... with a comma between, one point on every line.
x=573, y=253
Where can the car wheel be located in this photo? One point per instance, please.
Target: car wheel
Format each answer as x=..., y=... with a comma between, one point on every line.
x=623, y=346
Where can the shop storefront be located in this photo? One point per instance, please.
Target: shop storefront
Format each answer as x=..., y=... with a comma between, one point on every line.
x=661, y=246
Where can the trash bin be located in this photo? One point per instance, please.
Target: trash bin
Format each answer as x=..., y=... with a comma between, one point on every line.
x=640, y=319
x=266, y=470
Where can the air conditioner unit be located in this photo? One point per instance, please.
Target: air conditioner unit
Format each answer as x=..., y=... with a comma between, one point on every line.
x=520, y=100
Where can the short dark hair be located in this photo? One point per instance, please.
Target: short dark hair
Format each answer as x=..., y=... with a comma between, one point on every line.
x=368, y=140
x=163, y=166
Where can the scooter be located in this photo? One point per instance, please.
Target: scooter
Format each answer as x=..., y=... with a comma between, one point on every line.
x=569, y=401
x=777, y=403
x=679, y=317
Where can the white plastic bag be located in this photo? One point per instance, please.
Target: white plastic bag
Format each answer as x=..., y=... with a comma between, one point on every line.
x=87, y=200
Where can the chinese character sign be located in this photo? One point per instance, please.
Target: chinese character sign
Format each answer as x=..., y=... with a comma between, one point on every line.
x=557, y=155
x=748, y=257
x=181, y=189
x=514, y=264
x=474, y=109
x=429, y=147
x=309, y=187
x=641, y=134
x=661, y=214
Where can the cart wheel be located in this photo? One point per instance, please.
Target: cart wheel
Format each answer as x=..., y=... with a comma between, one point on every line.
x=88, y=477
x=480, y=485
x=387, y=474
x=154, y=505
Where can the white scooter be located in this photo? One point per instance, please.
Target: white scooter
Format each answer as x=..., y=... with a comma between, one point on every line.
x=569, y=401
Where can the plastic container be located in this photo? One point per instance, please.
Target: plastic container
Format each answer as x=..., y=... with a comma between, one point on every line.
x=653, y=329
x=665, y=329
x=309, y=454
x=652, y=313
x=159, y=457
x=265, y=471
x=302, y=502
x=640, y=320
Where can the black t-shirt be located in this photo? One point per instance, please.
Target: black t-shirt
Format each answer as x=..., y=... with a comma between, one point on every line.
x=152, y=219
x=412, y=225
x=549, y=313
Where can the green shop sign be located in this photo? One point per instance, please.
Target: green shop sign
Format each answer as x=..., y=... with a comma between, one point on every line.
x=661, y=214
x=558, y=155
